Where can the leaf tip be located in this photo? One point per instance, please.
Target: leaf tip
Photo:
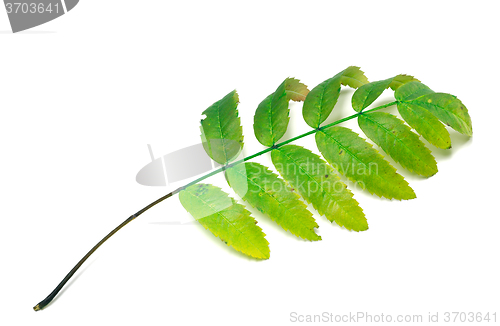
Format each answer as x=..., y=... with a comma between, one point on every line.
x=361, y=228
x=295, y=90
x=265, y=255
x=235, y=95
x=412, y=196
x=402, y=79
x=316, y=237
x=353, y=77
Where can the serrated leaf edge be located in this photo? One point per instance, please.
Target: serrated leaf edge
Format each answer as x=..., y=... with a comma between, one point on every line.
x=264, y=255
x=387, y=131
x=381, y=157
x=281, y=205
x=329, y=195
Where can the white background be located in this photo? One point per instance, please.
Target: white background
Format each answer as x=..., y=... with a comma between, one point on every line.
x=82, y=96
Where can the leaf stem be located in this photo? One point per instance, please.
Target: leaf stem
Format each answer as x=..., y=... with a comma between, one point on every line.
x=42, y=304
x=381, y=107
x=284, y=143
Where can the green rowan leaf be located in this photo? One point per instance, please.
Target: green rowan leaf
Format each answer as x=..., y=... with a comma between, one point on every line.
x=272, y=115
x=320, y=101
x=445, y=107
x=264, y=190
x=397, y=140
x=221, y=132
x=356, y=159
x=225, y=218
x=318, y=184
x=309, y=175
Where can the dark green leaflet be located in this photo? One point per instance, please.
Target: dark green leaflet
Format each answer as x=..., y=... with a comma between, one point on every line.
x=320, y=101
x=221, y=131
x=271, y=117
x=367, y=94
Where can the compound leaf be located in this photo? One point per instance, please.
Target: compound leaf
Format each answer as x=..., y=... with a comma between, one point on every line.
x=318, y=184
x=397, y=140
x=356, y=159
x=445, y=107
x=264, y=190
x=320, y=101
x=225, y=218
x=221, y=132
x=272, y=115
